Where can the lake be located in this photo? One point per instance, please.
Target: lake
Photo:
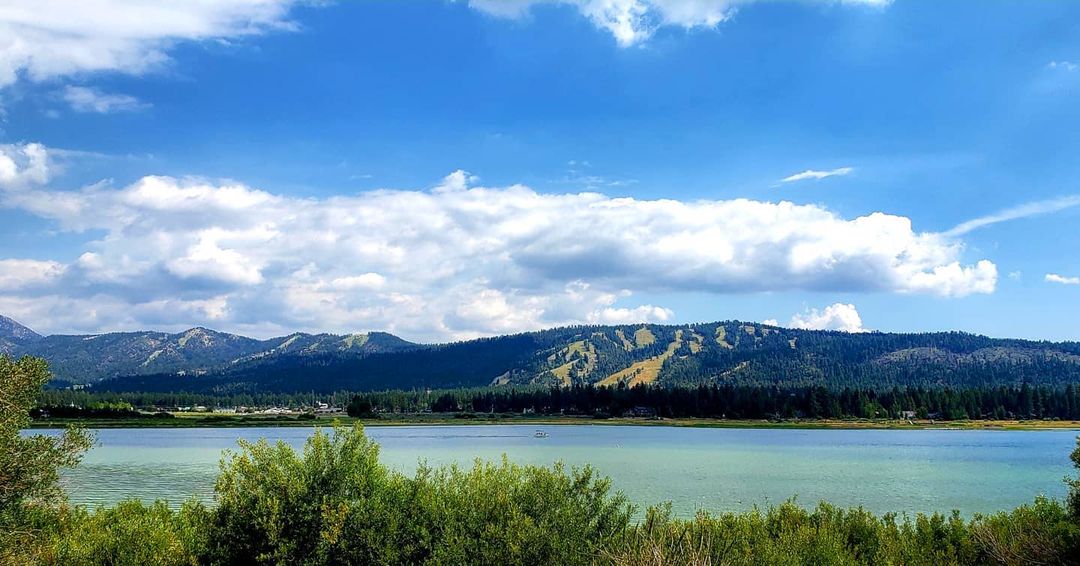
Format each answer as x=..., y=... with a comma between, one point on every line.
x=714, y=469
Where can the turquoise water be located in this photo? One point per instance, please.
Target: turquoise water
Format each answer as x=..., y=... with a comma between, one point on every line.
x=714, y=469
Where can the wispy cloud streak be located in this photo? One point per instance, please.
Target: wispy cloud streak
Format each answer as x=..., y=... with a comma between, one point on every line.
x=817, y=175
x=1055, y=278
x=1023, y=211
x=86, y=99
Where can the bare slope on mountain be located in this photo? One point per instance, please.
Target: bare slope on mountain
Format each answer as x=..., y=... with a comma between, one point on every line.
x=645, y=371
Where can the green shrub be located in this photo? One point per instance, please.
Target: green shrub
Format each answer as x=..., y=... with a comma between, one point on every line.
x=338, y=504
x=30, y=493
x=789, y=534
x=1073, y=500
x=510, y=514
x=276, y=507
x=133, y=534
x=1040, y=533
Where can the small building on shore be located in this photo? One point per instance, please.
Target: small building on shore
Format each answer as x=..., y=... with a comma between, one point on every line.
x=641, y=413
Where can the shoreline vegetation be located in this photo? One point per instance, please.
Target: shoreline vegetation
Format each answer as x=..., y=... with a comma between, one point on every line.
x=217, y=420
x=334, y=502
x=1016, y=407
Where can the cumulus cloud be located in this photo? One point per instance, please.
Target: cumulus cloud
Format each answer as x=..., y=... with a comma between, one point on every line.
x=22, y=273
x=838, y=316
x=456, y=260
x=632, y=21
x=207, y=259
x=1063, y=280
x=23, y=165
x=47, y=39
x=817, y=175
x=87, y=99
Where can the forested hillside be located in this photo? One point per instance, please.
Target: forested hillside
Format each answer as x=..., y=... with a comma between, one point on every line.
x=90, y=358
x=730, y=352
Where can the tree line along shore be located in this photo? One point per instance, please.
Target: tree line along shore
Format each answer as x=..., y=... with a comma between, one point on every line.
x=1020, y=406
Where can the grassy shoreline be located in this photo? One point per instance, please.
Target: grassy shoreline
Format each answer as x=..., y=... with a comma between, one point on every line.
x=207, y=420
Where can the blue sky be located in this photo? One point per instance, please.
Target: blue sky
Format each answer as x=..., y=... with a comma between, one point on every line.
x=445, y=169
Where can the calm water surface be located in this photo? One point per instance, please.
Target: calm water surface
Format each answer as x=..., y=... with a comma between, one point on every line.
x=715, y=469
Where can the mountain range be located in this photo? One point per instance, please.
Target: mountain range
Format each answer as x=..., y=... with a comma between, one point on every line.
x=203, y=360
x=91, y=358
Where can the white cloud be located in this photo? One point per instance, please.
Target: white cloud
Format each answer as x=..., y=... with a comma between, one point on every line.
x=644, y=313
x=207, y=259
x=455, y=261
x=838, y=316
x=631, y=22
x=362, y=281
x=955, y=280
x=23, y=165
x=87, y=99
x=22, y=273
x=46, y=39
x=1055, y=278
x=94, y=313
x=1023, y=211
x=817, y=175
x=1067, y=66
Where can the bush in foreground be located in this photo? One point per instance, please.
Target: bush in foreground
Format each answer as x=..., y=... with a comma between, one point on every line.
x=30, y=493
x=336, y=504
x=132, y=533
x=789, y=534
